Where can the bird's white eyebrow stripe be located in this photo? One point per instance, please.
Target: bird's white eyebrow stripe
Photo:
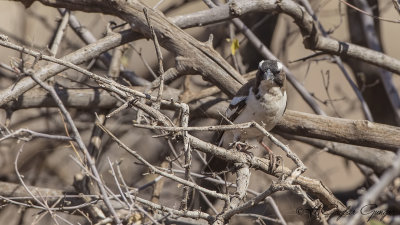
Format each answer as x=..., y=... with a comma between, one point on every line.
x=280, y=66
x=260, y=64
x=237, y=100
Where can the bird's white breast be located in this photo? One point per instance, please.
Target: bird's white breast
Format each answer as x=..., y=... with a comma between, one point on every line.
x=267, y=110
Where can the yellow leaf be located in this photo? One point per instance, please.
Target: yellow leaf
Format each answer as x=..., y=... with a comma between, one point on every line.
x=234, y=46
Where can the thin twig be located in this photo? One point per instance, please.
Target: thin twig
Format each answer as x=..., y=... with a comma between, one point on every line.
x=254, y=201
x=248, y=125
x=81, y=145
x=301, y=168
x=258, y=216
x=338, y=61
x=204, y=128
x=60, y=33
x=271, y=201
x=160, y=60
x=158, y=186
x=154, y=169
x=374, y=43
x=27, y=135
x=188, y=153
x=22, y=181
x=114, y=175
x=375, y=191
x=266, y=53
x=103, y=82
x=146, y=64
x=370, y=15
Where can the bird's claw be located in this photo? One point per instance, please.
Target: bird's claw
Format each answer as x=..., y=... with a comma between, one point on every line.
x=241, y=146
x=274, y=162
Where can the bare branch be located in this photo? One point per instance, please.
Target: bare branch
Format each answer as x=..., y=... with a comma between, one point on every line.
x=375, y=191
x=74, y=58
x=156, y=170
x=356, y=132
x=376, y=159
x=60, y=33
x=81, y=145
x=27, y=135
x=310, y=185
x=312, y=39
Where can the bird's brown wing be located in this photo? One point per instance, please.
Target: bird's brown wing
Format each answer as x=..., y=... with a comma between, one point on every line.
x=238, y=103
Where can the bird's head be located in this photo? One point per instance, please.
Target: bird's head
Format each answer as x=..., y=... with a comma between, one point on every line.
x=271, y=72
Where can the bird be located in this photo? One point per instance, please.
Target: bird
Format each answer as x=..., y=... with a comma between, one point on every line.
x=262, y=99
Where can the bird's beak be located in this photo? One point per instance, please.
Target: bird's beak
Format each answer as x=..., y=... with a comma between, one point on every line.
x=268, y=75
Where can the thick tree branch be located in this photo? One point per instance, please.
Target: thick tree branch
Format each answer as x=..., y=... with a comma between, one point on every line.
x=310, y=185
x=237, y=8
x=133, y=13
x=376, y=159
x=312, y=39
x=80, y=98
x=194, y=56
x=207, y=61
x=356, y=132
x=86, y=53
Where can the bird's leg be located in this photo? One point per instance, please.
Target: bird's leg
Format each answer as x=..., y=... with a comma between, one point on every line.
x=243, y=147
x=271, y=155
x=239, y=145
x=265, y=147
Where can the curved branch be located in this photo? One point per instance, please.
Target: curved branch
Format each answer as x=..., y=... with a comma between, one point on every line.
x=187, y=46
x=312, y=39
x=86, y=53
x=312, y=186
